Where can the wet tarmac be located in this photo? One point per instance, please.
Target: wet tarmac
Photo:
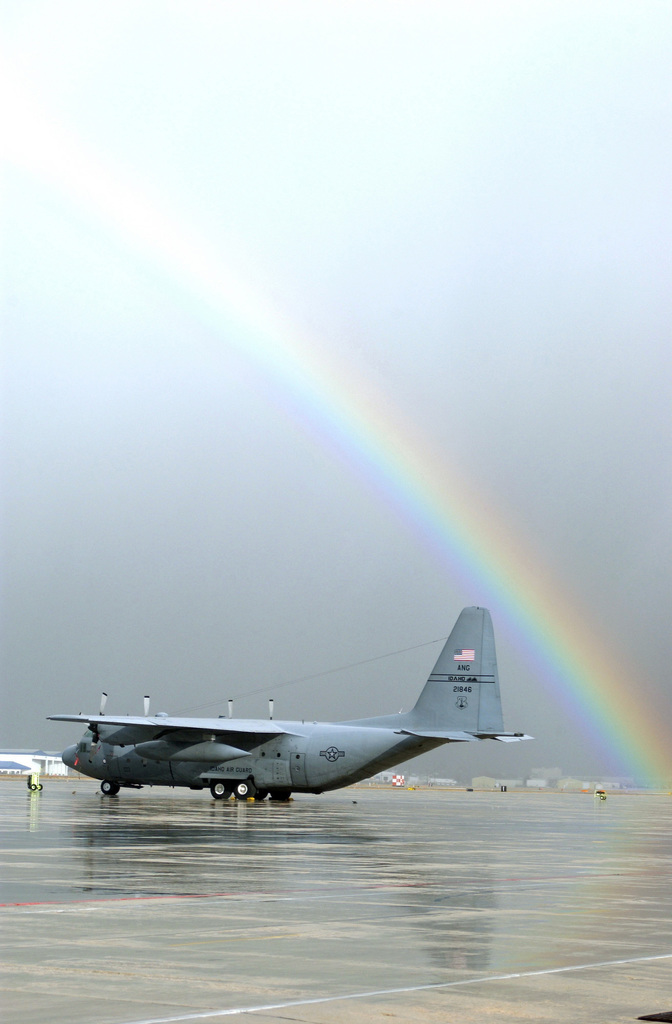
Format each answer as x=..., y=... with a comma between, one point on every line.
x=362, y=905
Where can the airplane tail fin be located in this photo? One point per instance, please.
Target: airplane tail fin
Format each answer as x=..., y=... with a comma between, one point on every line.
x=462, y=692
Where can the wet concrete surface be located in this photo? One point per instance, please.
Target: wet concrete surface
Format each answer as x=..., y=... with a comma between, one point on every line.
x=362, y=905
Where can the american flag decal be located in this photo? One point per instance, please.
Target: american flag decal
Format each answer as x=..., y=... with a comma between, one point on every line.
x=464, y=655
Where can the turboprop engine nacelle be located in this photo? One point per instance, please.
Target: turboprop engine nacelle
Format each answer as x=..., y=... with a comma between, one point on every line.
x=209, y=751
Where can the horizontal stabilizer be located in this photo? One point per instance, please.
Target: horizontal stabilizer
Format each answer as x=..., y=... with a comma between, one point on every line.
x=505, y=737
x=462, y=737
x=450, y=737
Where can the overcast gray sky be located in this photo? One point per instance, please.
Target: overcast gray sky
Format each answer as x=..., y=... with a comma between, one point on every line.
x=272, y=273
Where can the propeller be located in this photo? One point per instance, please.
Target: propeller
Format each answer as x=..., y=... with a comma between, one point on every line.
x=270, y=708
x=146, y=705
x=230, y=709
x=93, y=726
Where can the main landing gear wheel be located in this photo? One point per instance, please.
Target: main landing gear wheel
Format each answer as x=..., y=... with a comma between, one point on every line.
x=108, y=788
x=220, y=791
x=280, y=794
x=243, y=790
x=261, y=794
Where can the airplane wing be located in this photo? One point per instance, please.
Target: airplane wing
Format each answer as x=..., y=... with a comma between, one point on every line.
x=254, y=725
x=123, y=729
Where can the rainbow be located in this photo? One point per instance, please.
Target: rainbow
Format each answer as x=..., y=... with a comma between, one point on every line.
x=359, y=425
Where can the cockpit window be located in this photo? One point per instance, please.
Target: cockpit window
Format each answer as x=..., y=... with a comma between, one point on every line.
x=84, y=745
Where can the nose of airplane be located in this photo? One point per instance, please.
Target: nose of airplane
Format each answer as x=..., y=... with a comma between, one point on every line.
x=69, y=755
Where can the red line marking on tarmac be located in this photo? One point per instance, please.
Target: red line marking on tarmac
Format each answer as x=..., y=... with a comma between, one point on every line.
x=531, y=881
x=203, y=895
x=120, y=899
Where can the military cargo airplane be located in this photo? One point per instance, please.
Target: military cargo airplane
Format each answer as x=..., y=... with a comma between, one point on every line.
x=256, y=757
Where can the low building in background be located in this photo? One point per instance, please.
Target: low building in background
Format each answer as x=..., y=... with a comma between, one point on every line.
x=486, y=782
x=572, y=785
x=483, y=782
x=24, y=762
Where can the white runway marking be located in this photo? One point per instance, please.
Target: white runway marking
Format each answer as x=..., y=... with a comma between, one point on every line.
x=205, y=1014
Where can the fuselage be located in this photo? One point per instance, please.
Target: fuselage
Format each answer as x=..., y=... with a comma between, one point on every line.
x=305, y=757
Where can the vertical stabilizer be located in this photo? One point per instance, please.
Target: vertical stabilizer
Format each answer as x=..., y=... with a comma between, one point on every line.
x=462, y=692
